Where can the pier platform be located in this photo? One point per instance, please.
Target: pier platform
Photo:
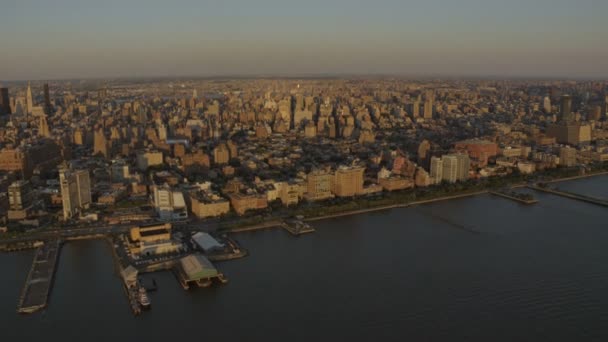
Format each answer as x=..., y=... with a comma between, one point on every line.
x=570, y=195
x=39, y=281
x=297, y=227
x=514, y=198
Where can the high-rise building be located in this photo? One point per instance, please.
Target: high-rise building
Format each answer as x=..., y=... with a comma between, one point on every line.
x=145, y=159
x=5, y=102
x=547, y=104
x=21, y=200
x=567, y=156
x=20, y=195
x=75, y=191
x=450, y=168
x=348, y=181
x=221, y=154
x=428, y=104
x=119, y=171
x=566, y=114
x=43, y=127
x=100, y=143
x=436, y=170
x=162, y=132
x=318, y=185
x=47, y=99
x=233, y=149
x=595, y=113
x=29, y=101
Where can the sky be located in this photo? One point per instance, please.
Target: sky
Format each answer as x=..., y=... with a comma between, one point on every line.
x=59, y=39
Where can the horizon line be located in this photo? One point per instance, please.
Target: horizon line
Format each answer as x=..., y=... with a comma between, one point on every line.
x=312, y=76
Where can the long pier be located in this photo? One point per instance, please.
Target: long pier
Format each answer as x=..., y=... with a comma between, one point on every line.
x=39, y=281
x=571, y=195
x=516, y=199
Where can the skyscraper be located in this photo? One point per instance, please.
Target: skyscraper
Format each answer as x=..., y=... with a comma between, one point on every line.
x=566, y=114
x=29, y=101
x=450, y=168
x=75, y=191
x=43, y=127
x=47, y=99
x=20, y=195
x=100, y=143
x=5, y=101
x=547, y=104
x=428, y=104
x=436, y=170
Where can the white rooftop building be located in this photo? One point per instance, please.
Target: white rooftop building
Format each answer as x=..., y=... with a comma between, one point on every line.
x=170, y=205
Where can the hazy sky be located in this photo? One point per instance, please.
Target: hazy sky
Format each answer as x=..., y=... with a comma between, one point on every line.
x=48, y=39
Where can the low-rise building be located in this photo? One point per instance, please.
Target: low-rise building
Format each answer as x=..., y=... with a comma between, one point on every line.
x=169, y=204
x=208, y=204
x=243, y=202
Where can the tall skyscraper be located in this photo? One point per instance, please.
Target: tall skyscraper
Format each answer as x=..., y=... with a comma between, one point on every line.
x=428, y=104
x=547, y=104
x=100, y=143
x=47, y=99
x=29, y=101
x=436, y=170
x=5, y=101
x=450, y=168
x=75, y=191
x=43, y=127
x=566, y=114
x=20, y=195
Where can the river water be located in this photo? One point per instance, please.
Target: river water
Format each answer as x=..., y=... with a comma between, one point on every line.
x=474, y=269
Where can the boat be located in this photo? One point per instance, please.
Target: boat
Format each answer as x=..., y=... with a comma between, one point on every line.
x=143, y=298
x=222, y=279
x=203, y=282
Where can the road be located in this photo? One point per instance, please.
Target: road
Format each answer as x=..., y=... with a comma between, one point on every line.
x=77, y=231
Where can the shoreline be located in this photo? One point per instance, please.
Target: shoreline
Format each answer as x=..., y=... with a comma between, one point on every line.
x=276, y=224
x=396, y=206
x=603, y=173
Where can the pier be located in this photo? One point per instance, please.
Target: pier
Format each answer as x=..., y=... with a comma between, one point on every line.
x=571, y=195
x=514, y=198
x=198, y=270
x=39, y=281
x=296, y=227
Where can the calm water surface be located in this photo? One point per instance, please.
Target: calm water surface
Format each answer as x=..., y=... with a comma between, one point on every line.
x=475, y=269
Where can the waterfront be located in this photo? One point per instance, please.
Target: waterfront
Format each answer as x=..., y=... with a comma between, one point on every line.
x=481, y=268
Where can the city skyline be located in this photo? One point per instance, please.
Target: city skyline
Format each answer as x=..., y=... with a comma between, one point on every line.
x=82, y=39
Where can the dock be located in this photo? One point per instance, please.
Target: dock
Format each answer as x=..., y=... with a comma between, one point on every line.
x=514, y=198
x=297, y=227
x=570, y=195
x=39, y=281
x=196, y=269
x=186, y=282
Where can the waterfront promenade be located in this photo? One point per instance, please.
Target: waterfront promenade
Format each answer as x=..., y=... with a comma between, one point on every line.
x=95, y=231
